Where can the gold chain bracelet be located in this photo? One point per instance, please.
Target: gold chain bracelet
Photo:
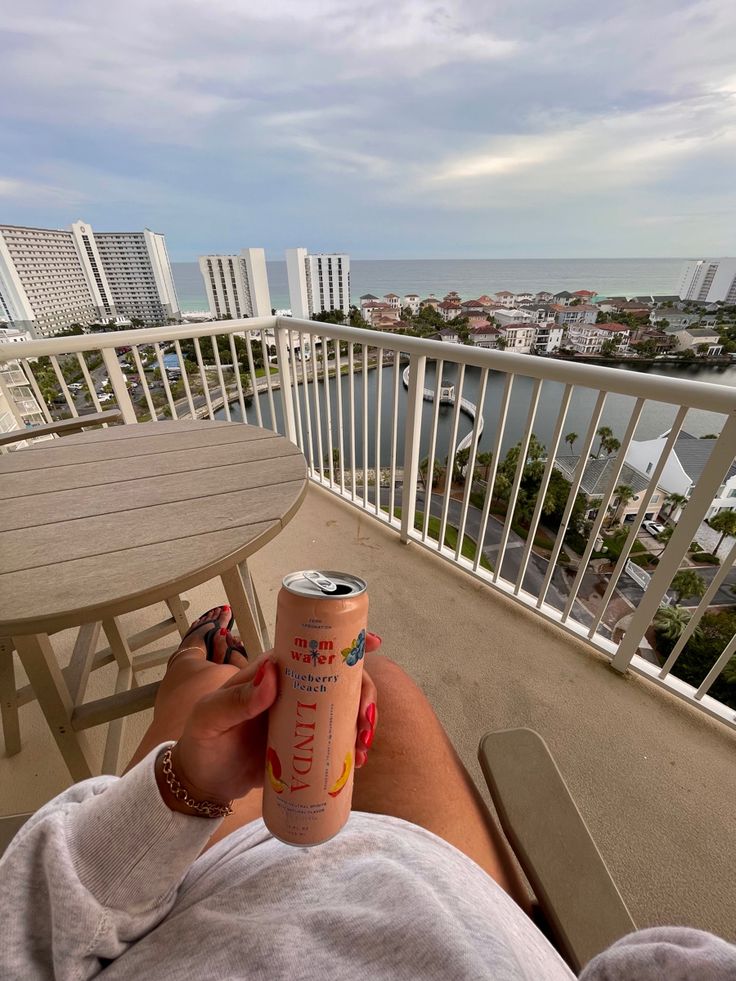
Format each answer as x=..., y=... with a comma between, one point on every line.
x=206, y=808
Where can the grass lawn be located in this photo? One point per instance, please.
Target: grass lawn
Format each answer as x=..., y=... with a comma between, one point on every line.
x=433, y=530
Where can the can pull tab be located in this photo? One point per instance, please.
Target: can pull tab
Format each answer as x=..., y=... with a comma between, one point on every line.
x=325, y=584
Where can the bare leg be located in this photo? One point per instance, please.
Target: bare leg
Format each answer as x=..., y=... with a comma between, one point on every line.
x=420, y=779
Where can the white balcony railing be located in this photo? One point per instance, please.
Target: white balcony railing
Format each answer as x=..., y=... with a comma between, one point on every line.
x=362, y=407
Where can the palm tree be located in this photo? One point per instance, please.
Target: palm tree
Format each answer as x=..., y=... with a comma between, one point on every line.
x=725, y=522
x=664, y=536
x=670, y=621
x=611, y=445
x=483, y=465
x=687, y=583
x=570, y=438
x=624, y=494
x=605, y=433
x=674, y=501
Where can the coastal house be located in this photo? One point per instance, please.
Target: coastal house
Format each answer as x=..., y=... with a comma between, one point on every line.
x=429, y=301
x=393, y=300
x=673, y=320
x=505, y=297
x=449, y=335
x=375, y=310
x=449, y=309
x=472, y=306
x=563, y=298
x=477, y=320
x=583, y=313
x=540, y=312
x=452, y=297
x=514, y=316
x=597, y=478
x=485, y=336
x=411, y=300
x=548, y=337
x=685, y=464
x=485, y=299
x=660, y=339
x=367, y=298
x=585, y=296
x=524, y=298
x=543, y=296
x=590, y=338
x=517, y=337
x=701, y=339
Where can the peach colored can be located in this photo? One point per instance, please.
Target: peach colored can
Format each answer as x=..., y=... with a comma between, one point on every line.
x=321, y=622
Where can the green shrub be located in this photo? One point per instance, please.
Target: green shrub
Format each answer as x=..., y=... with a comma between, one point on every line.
x=695, y=547
x=708, y=558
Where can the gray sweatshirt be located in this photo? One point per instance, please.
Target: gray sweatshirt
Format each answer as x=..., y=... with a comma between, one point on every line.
x=107, y=878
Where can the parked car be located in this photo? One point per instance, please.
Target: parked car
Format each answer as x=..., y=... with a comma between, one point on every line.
x=104, y=397
x=653, y=527
x=75, y=386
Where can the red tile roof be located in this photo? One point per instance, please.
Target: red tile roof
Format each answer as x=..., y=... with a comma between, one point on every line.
x=612, y=327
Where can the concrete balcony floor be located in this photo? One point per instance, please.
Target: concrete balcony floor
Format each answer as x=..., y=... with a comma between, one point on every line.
x=654, y=779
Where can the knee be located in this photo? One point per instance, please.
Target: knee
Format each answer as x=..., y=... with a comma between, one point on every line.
x=383, y=670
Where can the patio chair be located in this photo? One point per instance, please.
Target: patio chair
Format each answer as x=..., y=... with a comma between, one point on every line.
x=578, y=905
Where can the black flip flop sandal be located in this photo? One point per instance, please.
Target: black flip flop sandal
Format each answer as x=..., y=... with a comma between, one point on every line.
x=209, y=637
x=236, y=645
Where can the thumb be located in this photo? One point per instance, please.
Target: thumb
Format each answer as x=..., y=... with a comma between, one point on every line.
x=235, y=703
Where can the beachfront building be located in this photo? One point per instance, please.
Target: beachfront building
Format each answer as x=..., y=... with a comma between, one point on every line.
x=516, y=337
x=583, y=313
x=548, y=337
x=563, y=298
x=411, y=300
x=317, y=282
x=486, y=337
x=429, y=301
x=449, y=335
x=514, y=315
x=524, y=298
x=709, y=281
x=18, y=405
x=590, y=338
x=506, y=298
x=237, y=285
x=673, y=320
x=449, y=309
x=585, y=296
x=51, y=278
x=375, y=311
x=472, y=306
x=543, y=296
x=137, y=268
x=393, y=300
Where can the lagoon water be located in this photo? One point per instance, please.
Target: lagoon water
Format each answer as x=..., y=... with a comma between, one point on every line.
x=656, y=419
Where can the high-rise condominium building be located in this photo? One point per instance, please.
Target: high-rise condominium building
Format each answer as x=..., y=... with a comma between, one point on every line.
x=709, y=281
x=51, y=278
x=237, y=285
x=317, y=282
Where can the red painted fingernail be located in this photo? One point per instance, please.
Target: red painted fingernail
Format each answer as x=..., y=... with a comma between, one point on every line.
x=223, y=631
x=370, y=714
x=366, y=737
x=226, y=607
x=361, y=758
x=259, y=675
x=376, y=636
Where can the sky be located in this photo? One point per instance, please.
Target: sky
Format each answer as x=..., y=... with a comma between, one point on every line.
x=388, y=129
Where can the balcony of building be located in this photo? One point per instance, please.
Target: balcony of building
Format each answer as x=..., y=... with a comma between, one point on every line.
x=647, y=756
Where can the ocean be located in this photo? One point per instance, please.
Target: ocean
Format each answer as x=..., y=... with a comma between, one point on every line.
x=470, y=277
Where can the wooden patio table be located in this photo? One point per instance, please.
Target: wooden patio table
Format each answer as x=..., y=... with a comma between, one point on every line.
x=102, y=523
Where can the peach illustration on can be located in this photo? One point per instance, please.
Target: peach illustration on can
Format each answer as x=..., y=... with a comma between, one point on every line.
x=321, y=624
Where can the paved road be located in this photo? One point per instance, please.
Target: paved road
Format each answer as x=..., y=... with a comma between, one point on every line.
x=723, y=597
x=536, y=568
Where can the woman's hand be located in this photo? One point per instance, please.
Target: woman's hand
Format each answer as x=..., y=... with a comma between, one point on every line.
x=220, y=755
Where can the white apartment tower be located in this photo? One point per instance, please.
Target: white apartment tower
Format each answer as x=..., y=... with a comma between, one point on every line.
x=317, y=282
x=237, y=285
x=709, y=281
x=138, y=270
x=51, y=278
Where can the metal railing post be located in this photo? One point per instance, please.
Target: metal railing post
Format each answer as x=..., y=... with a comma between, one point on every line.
x=412, y=437
x=282, y=336
x=705, y=490
x=119, y=387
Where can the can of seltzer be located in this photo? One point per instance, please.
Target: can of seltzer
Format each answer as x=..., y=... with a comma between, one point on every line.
x=321, y=622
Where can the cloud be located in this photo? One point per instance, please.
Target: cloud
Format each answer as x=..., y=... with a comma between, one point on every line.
x=403, y=126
